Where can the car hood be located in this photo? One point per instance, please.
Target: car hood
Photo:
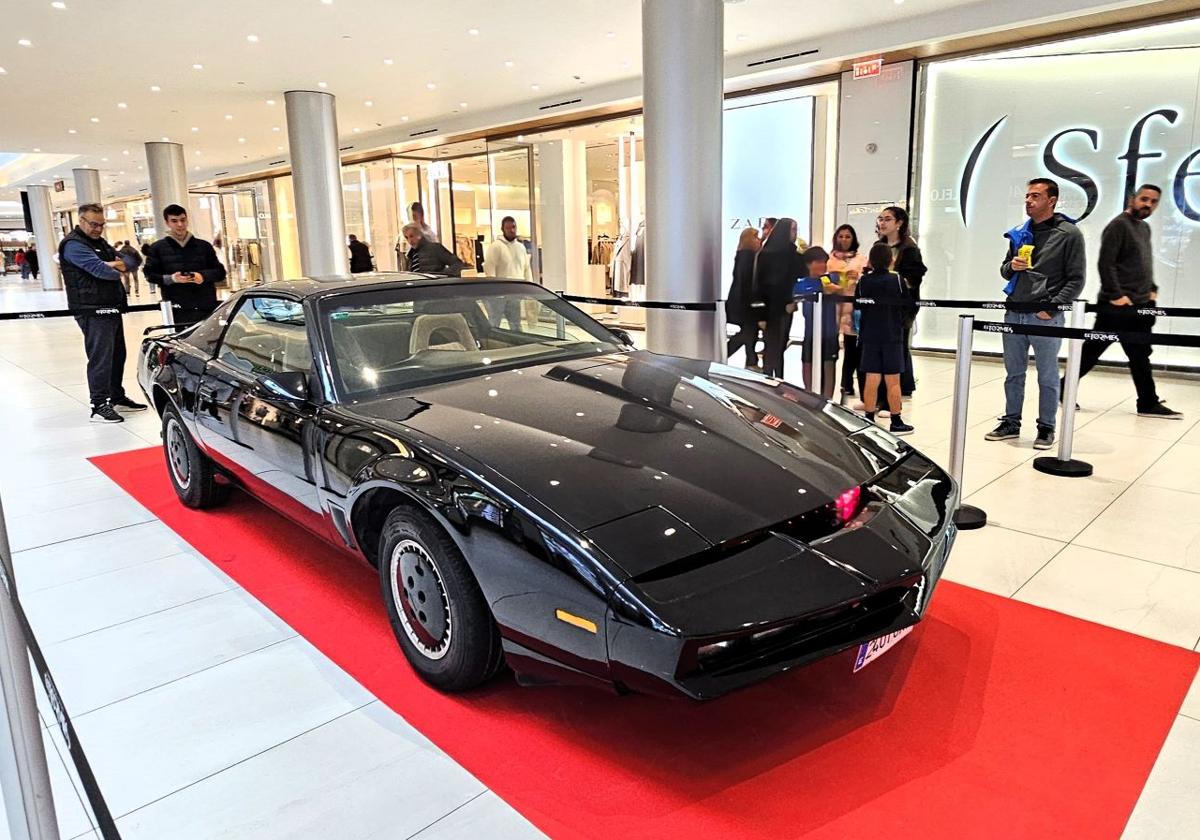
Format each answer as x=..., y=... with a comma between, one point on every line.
x=721, y=450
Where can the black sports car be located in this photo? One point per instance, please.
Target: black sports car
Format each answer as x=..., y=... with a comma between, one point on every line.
x=534, y=490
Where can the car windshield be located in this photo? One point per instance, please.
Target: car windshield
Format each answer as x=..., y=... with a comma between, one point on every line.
x=382, y=341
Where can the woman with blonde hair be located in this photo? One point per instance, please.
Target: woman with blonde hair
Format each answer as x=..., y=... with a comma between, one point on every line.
x=739, y=306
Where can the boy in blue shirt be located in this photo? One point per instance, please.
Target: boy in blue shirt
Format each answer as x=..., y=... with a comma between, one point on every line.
x=881, y=334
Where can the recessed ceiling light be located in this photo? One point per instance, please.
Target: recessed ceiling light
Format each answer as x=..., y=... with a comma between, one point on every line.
x=472, y=31
x=462, y=104
x=199, y=152
x=155, y=88
x=327, y=2
x=898, y=2
x=430, y=86
x=270, y=101
x=122, y=172
x=509, y=63
x=253, y=39
x=72, y=131
x=140, y=166
x=241, y=139
x=195, y=128
x=229, y=116
x=404, y=119
x=166, y=139
x=322, y=85
x=279, y=148
x=369, y=103
x=274, y=128
x=2, y=71
x=356, y=130
x=197, y=66
x=389, y=62
x=104, y=160
x=37, y=150
x=195, y=168
x=59, y=4
x=535, y=87
x=122, y=105
x=93, y=119
x=25, y=42
x=124, y=151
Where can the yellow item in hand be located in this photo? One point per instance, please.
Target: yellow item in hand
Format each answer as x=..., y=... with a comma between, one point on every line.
x=1025, y=252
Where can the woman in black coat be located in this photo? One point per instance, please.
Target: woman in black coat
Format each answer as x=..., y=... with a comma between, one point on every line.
x=892, y=226
x=739, y=306
x=778, y=268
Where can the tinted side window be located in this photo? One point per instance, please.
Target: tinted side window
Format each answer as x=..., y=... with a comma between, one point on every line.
x=207, y=333
x=267, y=335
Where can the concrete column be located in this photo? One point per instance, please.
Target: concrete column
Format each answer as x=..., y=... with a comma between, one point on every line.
x=46, y=235
x=682, y=71
x=87, y=186
x=563, y=171
x=168, y=179
x=317, y=177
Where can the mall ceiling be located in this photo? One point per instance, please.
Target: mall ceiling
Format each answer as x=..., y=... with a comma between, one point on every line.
x=85, y=83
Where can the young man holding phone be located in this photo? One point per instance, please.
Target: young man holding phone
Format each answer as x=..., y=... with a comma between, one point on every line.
x=186, y=268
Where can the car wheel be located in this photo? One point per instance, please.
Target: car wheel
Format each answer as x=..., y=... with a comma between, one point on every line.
x=191, y=471
x=436, y=608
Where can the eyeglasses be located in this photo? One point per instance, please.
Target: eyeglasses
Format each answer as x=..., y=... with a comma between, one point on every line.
x=91, y=224
x=885, y=219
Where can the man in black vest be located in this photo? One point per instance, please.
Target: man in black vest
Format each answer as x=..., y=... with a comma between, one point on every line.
x=187, y=268
x=92, y=275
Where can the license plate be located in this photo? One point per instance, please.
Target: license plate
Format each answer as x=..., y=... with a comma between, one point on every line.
x=872, y=650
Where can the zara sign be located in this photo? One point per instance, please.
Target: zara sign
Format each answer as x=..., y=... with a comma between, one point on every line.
x=1134, y=153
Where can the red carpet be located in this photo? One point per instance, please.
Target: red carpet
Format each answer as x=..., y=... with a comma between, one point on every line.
x=994, y=719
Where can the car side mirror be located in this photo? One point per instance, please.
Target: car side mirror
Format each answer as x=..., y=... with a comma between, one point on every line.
x=291, y=385
x=622, y=336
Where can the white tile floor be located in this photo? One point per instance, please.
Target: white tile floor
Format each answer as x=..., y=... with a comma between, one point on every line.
x=207, y=717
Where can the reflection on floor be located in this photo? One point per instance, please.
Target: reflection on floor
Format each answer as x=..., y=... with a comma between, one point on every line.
x=192, y=699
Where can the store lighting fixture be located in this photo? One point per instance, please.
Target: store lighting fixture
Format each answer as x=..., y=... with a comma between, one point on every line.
x=125, y=151
x=510, y=64
x=274, y=128
x=3, y=71
x=279, y=148
x=356, y=130
x=122, y=105
x=25, y=42
x=270, y=101
x=229, y=116
x=94, y=119
x=140, y=167
x=155, y=88
x=197, y=66
x=327, y=2
x=898, y=2
x=166, y=139
x=253, y=39
x=241, y=139
x=430, y=86
x=104, y=160
x=535, y=87
x=72, y=131
x=195, y=128
x=389, y=62
x=322, y=85
x=37, y=150
x=472, y=31
x=58, y=4
x=369, y=103
x=404, y=119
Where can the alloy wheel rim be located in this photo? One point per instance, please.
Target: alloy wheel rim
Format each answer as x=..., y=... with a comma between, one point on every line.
x=420, y=599
x=177, y=454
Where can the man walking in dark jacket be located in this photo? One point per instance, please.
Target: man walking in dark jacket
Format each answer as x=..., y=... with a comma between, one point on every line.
x=1052, y=274
x=186, y=268
x=91, y=271
x=360, y=256
x=426, y=257
x=1126, y=283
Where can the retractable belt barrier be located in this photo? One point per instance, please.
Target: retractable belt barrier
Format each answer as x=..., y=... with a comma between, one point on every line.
x=65, y=313
x=1088, y=335
x=641, y=304
x=104, y=820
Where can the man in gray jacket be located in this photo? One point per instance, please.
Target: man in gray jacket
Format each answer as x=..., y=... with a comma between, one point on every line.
x=1052, y=274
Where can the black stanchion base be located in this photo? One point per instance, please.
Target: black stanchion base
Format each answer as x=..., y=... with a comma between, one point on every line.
x=969, y=518
x=1070, y=468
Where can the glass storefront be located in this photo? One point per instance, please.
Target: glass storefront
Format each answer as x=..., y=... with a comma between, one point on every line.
x=1123, y=112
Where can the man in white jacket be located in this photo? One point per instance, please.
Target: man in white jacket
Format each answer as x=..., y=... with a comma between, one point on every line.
x=506, y=257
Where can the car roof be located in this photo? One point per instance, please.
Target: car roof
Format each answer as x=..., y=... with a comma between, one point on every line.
x=317, y=287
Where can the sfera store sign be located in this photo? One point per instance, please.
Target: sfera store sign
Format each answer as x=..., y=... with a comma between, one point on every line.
x=1061, y=157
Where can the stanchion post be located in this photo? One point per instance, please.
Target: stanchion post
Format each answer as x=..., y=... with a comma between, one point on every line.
x=816, y=357
x=967, y=517
x=1064, y=465
x=24, y=776
x=168, y=314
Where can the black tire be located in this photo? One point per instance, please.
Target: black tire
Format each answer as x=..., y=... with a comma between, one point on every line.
x=191, y=471
x=434, y=603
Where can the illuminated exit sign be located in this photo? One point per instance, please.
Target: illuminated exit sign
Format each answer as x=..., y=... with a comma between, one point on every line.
x=868, y=69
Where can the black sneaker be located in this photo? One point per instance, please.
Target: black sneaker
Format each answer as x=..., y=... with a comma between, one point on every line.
x=1007, y=430
x=900, y=428
x=1045, y=439
x=1160, y=411
x=126, y=404
x=104, y=413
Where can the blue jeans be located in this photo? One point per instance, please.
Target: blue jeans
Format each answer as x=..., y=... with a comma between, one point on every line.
x=1016, y=362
